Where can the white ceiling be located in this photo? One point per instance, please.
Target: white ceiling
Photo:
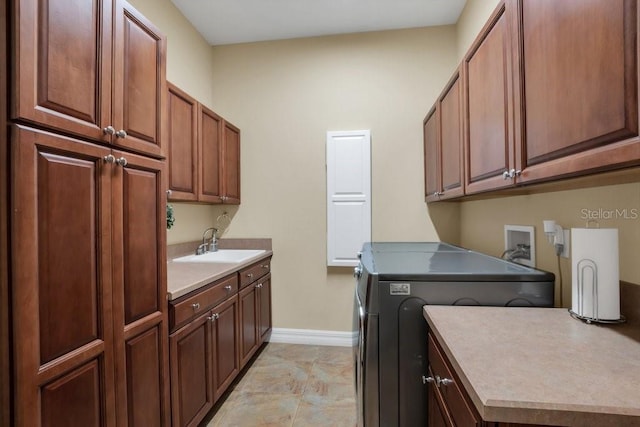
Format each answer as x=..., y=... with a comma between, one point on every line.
x=241, y=21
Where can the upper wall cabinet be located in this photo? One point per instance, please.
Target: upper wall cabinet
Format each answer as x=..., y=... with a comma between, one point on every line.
x=488, y=139
x=204, y=152
x=577, y=86
x=443, y=144
x=92, y=68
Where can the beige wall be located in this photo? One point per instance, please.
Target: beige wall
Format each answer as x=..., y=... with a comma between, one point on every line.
x=473, y=17
x=285, y=96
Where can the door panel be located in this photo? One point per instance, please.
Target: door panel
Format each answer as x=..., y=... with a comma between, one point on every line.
x=265, y=308
x=191, y=372
x=226, y=346
x=140, y=216
x=451, y=139
x=74, y=399
x=489, y=138
x=139, y=95
x=63, y=68
x=431, y=156
x=231, y=167
x=67, y=236
x=183, y=145
x=248, y=324
x=210, y=135
x=144, y=370
x=61, y=293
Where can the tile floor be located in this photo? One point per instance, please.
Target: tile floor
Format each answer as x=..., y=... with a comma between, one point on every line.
x=292, y=385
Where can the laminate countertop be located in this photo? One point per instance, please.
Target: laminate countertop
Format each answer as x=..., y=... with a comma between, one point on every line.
x=185, y=277
x=541, y=366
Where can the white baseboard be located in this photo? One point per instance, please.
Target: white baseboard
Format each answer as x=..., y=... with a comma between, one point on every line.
x=313, y=337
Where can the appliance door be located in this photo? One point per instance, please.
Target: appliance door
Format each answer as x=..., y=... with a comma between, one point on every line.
x=366, y=365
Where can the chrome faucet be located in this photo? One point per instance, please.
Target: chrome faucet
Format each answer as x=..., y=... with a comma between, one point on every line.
x=212, y=246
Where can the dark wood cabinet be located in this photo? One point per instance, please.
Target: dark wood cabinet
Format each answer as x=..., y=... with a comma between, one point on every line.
x=488, y=100
x=89, y=283
x=91, y=69
x=182, y=144
x=210, y=127
x=443, y=144
x=230, y=175
x=204, y=153
x=62, y=289
x=87, y=232
x=255, y=308
x=578, y=87
x=191, y=372
x=205, y=347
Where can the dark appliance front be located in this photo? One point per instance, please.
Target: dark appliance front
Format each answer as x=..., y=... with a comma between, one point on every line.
x=395, y=280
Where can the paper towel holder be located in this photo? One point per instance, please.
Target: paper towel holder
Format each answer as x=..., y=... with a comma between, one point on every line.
x=587, y=265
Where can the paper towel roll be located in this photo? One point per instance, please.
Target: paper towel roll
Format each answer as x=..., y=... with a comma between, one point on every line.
x=595, y=256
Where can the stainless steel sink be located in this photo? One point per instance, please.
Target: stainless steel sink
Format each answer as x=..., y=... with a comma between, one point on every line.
x=222, y=255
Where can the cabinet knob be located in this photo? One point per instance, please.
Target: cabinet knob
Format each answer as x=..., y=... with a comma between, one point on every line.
x=517, y=173
x=265, y=266
x=121, y=134
x=109, y=130
x=122, y=161
x=213, y=317
x=506, y=175
x=109, y=158
x=428, y=379
x=249, y=275
x=196, y=306
x=259, y=285
x=228, y=288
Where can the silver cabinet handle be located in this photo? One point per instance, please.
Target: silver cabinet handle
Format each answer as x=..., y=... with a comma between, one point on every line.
x=213, y=317
x=259, y=285
x=109, y=130
x=122, y=161
x=109, y=158
x=249, y=275
x=357, y=272
x=506, y=175
x=121, y=134
x=517, y=172
x=265, y=266
x=428, y=379
x=511, y=174
x=228, y=288
x=443, y=381
x=196, y=306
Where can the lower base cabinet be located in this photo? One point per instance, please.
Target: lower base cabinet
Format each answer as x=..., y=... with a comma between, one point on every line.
x=215, y=332
x=448, y=402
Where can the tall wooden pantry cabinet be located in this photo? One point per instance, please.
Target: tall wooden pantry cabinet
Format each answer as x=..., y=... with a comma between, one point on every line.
x=87, y=238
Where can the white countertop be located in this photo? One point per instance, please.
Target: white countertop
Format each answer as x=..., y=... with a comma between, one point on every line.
x=540, y=365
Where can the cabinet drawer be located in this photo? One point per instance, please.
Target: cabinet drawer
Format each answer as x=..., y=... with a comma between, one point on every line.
x=453, y=394
x=186, y=308
x=254, y=272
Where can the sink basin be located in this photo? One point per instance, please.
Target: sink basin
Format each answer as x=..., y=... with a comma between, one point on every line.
x=222, y=255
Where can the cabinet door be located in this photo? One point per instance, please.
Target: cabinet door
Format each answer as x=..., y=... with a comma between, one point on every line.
x=450, y=142
x=226, y=345
x=191, y=372
x=264, y=305
x=210, y=128
x=61, y=282
x=182, y=148
x=63, y=65
x=580, y=82
x=431, y=156
x=139, y=92
x=248, y=324
x=231, y=164
x=488, y=100
x=139, y=277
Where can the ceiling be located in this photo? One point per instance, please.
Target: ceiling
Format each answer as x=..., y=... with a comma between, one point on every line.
x=240, y=21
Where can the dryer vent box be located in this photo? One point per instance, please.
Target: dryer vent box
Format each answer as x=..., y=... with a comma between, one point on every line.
x=518, y=238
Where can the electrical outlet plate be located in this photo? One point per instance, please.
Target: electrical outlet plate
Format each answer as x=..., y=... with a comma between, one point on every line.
x=515, y=235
